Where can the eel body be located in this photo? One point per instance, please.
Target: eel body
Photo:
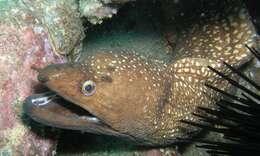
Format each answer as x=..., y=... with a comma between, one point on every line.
x=144, y=100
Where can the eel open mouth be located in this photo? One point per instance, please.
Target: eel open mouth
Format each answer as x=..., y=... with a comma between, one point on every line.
x=52, y=110
x=55, y=110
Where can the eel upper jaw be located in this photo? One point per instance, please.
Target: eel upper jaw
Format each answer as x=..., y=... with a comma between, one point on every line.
x=52, y=110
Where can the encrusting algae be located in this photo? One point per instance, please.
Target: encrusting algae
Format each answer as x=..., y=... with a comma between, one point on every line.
x=25, y=43
x=126, y=95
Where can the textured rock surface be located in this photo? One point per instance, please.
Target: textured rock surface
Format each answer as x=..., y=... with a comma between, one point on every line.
x=62, y=20
x=97, y=10
x=30, y=39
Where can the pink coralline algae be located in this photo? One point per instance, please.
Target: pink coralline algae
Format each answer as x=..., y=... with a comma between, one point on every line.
x=25, y=45
x=21, y=50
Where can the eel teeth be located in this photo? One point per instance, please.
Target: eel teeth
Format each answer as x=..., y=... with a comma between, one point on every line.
x=44, y=100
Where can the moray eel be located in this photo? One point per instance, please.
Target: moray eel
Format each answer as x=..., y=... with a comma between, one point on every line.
x=127, y=95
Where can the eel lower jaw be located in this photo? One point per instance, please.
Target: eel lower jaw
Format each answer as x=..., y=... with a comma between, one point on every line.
x=52, y=110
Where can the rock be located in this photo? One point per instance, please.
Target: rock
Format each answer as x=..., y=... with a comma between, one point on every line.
x=97, y=10
x=30, y=39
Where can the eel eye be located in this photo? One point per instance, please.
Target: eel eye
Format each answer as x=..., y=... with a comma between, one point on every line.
x=88, y=88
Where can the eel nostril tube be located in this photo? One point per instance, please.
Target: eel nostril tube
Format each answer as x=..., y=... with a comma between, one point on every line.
x=43, y=78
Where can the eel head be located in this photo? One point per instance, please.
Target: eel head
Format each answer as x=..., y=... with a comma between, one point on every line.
x=96, y=97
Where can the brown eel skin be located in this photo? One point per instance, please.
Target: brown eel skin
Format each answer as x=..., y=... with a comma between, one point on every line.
x=127, y=95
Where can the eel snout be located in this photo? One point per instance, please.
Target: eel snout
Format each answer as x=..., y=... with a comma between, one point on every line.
x=55, y=108
x=52, y=110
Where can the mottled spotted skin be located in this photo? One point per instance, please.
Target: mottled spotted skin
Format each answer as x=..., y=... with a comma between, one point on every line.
x=214, y=38
x=218, y=36
x=146, y=99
